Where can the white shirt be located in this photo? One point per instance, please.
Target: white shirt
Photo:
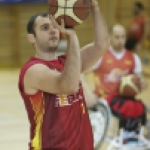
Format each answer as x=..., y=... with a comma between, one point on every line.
x=138, y=65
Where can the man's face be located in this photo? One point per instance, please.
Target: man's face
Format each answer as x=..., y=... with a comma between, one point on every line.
x=47, y=36
x=118, y=38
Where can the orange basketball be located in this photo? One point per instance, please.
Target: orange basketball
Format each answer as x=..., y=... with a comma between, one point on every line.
x=74, y=12
x=130, y=85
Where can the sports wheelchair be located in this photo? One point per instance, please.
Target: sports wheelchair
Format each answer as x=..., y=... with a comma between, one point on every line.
x=100, y=116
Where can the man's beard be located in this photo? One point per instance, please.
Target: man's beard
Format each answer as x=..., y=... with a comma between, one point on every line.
x=48, y=49
x=53, y=49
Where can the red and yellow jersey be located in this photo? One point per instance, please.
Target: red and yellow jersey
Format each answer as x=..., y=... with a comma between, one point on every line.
x=109, y=73
x=137, y=27
x=58, y=122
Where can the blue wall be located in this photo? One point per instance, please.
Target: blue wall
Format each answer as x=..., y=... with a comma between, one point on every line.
x=21, y=1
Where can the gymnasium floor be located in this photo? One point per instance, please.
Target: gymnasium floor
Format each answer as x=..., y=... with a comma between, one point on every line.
x=14, y=127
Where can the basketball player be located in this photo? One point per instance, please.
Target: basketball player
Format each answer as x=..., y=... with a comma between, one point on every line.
x=51, y=88
x=138, y=29
x=115, y=63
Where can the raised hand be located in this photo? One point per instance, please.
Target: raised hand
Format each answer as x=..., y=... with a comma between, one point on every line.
x=61, y=27
x=94, y=3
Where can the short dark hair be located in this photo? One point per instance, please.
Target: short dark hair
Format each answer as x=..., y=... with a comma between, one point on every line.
x=139, y=5
x=31, y=22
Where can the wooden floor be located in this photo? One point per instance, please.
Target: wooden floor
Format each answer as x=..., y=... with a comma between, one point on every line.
x=14, y=124
x=14, y=127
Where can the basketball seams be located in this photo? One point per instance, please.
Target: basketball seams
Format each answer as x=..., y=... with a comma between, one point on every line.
x=130, y=83
x=73, y=12
x=127, y=81
x=66, y=15
x=69, y=7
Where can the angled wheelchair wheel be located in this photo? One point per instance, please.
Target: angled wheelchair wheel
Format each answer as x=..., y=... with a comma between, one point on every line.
x=100, y=118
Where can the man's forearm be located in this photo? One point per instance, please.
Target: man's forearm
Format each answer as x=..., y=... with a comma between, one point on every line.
x=90, y=97
x=92, y=52
x=100, y=28
x=71, y=74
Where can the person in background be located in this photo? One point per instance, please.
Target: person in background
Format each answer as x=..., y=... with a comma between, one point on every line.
x=138, y=30
x=117, y=62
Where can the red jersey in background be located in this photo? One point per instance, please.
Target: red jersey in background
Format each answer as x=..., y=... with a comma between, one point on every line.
x=110, y=71
x=137, y=27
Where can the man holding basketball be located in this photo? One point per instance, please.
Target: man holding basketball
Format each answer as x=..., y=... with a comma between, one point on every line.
x=51, y=88
x=112, y=66
x=119, y=62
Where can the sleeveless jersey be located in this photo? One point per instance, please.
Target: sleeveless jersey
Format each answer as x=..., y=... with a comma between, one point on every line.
x=110, y=71
x=138, y=25
x=58, y=122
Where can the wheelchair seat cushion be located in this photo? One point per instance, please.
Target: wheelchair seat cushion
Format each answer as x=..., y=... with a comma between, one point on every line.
x=130, y=111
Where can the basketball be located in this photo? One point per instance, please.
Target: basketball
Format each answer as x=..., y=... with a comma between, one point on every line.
x=74, y=12
x=130, y=85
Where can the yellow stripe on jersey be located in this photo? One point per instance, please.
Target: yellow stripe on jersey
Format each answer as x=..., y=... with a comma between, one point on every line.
x=38, y=107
